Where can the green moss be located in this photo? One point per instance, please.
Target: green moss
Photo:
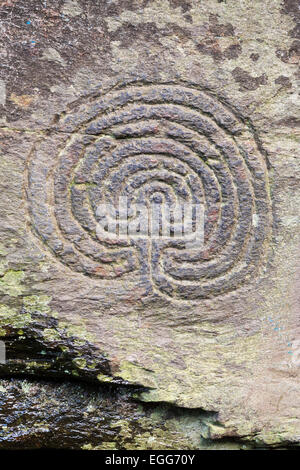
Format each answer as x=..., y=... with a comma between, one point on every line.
x=103, y=446
x=50, y=334
x=11, y=317
x=11, y=283
x=104, y=378
x=136, y=374
x=80, y=362
x=159, y=434
x=107, y=446
x=92, y=365
x=79, y=331
x=37, y=303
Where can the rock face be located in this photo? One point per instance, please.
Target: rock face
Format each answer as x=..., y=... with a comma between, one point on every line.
x=52, y=415
x=153, y=101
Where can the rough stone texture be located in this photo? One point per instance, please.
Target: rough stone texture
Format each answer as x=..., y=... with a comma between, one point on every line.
x=198, y=99
x=53, y=415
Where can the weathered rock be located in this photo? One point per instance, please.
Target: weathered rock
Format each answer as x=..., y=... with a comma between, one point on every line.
x=189, y=100
x=53, y=415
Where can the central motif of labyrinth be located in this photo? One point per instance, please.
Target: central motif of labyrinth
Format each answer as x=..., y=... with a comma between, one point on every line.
x=140, y=142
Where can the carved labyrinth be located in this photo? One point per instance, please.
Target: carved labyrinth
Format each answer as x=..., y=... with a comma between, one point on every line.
x=141, y=141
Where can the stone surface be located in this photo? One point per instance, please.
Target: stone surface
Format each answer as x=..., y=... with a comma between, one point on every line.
x=37, y=414
x=189, y=99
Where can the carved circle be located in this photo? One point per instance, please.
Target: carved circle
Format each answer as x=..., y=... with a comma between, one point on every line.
x=144, y=140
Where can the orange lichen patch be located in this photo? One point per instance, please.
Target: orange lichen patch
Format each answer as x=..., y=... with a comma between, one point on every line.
x=101, y=271
x=23, y=101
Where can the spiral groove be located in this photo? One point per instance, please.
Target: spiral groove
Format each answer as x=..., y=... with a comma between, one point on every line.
x=141, y=141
